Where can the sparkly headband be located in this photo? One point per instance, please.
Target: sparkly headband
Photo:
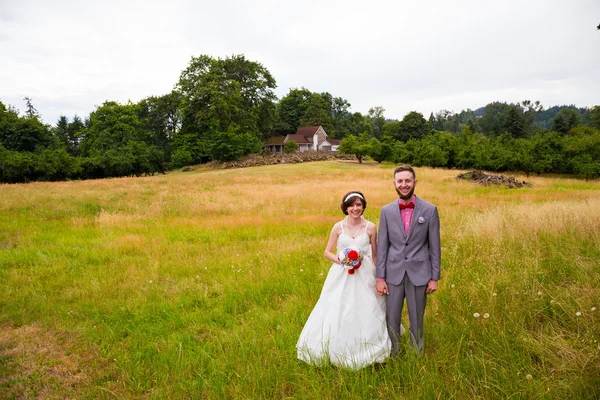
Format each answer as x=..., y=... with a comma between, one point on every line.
x=353, y=195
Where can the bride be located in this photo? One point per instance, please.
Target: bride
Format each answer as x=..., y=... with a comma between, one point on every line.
x=347, y=325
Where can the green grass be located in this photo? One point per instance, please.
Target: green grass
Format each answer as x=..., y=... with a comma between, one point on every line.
x=197, y=285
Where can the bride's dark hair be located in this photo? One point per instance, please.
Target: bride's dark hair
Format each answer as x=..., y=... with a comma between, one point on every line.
x=348, y=201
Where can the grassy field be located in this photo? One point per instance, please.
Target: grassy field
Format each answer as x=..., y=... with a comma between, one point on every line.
x=197, y=285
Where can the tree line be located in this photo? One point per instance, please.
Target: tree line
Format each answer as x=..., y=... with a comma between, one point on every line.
x=224, y=109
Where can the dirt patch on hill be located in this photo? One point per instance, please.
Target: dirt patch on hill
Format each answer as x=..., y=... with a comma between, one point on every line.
x=488, y=180
x=39, y=363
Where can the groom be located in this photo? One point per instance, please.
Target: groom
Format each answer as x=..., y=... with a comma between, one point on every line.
x=408, y=256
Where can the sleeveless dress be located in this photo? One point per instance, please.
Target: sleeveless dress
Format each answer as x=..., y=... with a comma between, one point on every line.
x=347, y=325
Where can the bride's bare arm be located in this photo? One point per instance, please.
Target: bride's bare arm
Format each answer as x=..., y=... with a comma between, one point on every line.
x=372, y=231
x=332, y=243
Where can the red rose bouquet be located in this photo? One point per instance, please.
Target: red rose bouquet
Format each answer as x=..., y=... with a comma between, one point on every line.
x=351, y=258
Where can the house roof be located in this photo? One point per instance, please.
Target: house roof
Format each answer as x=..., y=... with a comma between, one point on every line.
x=334, y=142
x=300, y=139
x=274, y=140
x=308, y=130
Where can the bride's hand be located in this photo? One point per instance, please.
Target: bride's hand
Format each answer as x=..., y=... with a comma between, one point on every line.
x=382, y=288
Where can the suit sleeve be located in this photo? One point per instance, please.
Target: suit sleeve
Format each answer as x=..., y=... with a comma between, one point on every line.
x=435, y=247
x=382, y=246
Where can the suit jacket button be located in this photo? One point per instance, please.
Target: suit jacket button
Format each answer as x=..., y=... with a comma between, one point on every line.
x=406, y=258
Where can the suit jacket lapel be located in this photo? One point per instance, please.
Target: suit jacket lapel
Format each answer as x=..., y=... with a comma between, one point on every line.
x=415, y=216
x=395, y=208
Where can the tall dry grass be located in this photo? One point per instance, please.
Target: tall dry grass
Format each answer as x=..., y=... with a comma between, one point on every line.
x=196, y=285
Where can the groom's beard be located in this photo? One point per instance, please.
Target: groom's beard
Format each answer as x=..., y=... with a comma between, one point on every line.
x=408, y=196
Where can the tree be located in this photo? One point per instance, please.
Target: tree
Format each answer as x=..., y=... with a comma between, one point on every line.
x=31, y=111
x=224, y=97
x=67, y=133
x=514, y=122
x=22, y=133
x=595, y=116
x=290, y=147
x=116, y=143
x=392, y=129
x=357, y=146
x=357, y=124
x=377, y=119
x=583, y=151
x=161, y=115
x=565, y=120
x=381, y=150
x=290, y=110
x=491, y=122
x=413, y=126
x=531, y=112
x=340, y=115
x=317, y=113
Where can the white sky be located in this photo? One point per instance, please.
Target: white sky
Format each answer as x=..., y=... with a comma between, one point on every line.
x=427, y=55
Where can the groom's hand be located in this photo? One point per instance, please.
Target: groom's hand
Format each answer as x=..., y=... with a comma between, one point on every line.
x=431, y=286
x=381, y=288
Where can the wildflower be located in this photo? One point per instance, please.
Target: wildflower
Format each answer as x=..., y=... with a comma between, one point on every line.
x=578, y=313
x=150, y=281
x=239, y=270
x=540, y=293
x=476, y=315
x=529, y=377
x=494, y=294
x=321, y=274
x=205, y=267
x=197, y=276
x=552, y=301
x=486, y=315
x=593, y=308
x=301, y=270
x=452, y=286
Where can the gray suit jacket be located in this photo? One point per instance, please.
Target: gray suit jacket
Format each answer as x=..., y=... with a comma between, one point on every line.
x=417, y=255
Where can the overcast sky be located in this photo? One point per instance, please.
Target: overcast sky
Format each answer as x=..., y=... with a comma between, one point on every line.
x=428, y=55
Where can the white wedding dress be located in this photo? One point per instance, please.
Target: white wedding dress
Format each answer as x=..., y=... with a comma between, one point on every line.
x=347, y=325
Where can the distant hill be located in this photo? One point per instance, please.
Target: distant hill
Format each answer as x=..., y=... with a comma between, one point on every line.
x=544, y=119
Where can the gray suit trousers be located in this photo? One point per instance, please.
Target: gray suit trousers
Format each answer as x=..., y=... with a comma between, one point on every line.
x=415, y=300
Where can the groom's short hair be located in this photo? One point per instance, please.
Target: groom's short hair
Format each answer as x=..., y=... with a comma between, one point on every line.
x=408, y=168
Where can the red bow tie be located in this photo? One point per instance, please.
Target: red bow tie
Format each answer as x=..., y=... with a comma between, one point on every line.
x=407, y=205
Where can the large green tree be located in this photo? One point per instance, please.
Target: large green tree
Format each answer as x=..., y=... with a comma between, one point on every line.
x=117, y=143
x=23, y=133
x=565, y=120
x=224, y=97
x=413, y=126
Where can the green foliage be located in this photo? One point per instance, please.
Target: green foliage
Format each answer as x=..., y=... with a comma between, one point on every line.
x=224, y=99
x=547, y=151
x=514, y=122
x=377, y=119
x=413, y=126
x=23, y=133
x=180, y=158
x=565, y=120
x=290, y=147
x=357, y=146
x=318, y=113
x=161, y=116
x=429, y=152
x=595, y=117
x=583, y=151
x=381, y=150
x=231, y=144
